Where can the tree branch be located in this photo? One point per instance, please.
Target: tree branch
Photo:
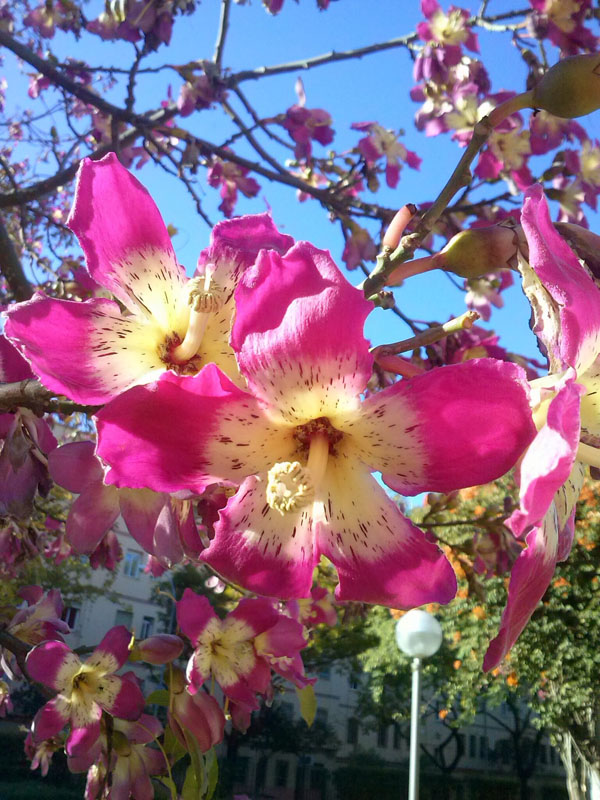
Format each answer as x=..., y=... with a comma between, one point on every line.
x=11, y=267
x=31, y=394
x=222, y=34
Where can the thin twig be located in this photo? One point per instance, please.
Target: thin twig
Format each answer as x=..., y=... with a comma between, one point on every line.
x=222, y=34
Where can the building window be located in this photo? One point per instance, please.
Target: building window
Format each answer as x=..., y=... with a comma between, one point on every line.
x=352, y=732
x=281, y=773
x=472, y=746
x=382, y=735
x=71, y=616
x=397, y=737
x=147, y=628
x=132, y=564
x=124, y=618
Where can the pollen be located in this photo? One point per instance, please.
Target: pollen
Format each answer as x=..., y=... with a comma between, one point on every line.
x=289, y=487
x=205, y=295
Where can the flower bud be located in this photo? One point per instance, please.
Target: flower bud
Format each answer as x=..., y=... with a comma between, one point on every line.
x=571, y=88
x=478, y=251
x=159, y=649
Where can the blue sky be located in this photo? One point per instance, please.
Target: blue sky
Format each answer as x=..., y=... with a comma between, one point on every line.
x=373, y=88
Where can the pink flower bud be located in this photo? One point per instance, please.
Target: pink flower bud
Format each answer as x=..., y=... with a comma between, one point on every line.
x=158, y=649
x=570, y=88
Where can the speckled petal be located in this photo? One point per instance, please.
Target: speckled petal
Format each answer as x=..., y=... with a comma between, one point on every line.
x=298, y=333
x=571, y=288
x=194, y=612
x=127, y=246
x=112, y=652
x=120, y=697
x=54, y=664
x=187, y=433
x=258, y=548
x=380, y=556
x=455, y=426
x=86, y=351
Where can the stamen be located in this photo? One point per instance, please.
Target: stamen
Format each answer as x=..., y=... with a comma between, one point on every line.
x=204, y=298
x=588, y=455
x=290, y=485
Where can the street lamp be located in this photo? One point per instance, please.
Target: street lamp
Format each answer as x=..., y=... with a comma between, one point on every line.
x=419, y=635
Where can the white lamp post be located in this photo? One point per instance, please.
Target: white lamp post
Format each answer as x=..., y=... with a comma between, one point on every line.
x=419, y=635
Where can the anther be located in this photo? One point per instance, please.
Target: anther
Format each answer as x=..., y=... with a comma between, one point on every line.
x=289, y=487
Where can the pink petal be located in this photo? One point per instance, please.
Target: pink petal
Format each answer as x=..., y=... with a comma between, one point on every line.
x=113, y=650
x=74, y=466
x=380, y=556
x=12, y=366
x=261, y=550
x=91, y=515
x=126, y=243
x=87, y=351
x=81, y=739
x=141, y=509
x=530, y=577
x=194, y=612
x=202, y=716
x=572, y=289
x=145, y=434
x=549, y=459
x=53, y=664
x=257, y=613
x=298, y=333
x=285, y=638
x=455, y=426
x=123, y=698
x=50, y=719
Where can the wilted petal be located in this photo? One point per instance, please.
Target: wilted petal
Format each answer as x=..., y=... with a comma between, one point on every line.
x=74, y=466
x=141, y=509
x=292, y=345
x=91, y=515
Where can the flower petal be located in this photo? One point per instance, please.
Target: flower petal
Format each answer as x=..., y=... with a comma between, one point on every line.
x=141, y=509
x=126, y=243
x=455, y=426
x=87, y=351
x=577, y=343
x=145, y=434
x=54, y=664
x=112, y=652
x=92, y=514
x=261, y=550
x=194, y=612
x=121, y=697
x=51, y=719
x=380, y=556
x=298, y=333
x=74, y=466
x=83, y=737
x=549, y=459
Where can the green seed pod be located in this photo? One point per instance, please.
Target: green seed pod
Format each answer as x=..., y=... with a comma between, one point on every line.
x=477, y=251
x=570, y=88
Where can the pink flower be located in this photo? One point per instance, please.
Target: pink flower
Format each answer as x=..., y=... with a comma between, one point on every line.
x=384, y=143
x=41, y=754
x=304, y=125
x=92, y=351
x=84, y=689
x=231, y=178
x=303, y=445
x=317, y=609
x=566, y=304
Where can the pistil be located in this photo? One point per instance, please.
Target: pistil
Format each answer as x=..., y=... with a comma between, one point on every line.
x=290, y=485
x=204, y=298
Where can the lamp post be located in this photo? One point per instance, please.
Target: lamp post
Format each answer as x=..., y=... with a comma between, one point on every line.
x=419, y=635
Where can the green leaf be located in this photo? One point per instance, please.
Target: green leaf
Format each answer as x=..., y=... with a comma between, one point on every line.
x=173, y=747
x=160, y=697
x=212, y=770
x=190, y=790
x=308, y=704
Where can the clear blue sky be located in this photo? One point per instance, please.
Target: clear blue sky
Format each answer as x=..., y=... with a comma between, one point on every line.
x=374, y=88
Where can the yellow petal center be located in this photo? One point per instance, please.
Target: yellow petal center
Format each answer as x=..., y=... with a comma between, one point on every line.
x=205, y=297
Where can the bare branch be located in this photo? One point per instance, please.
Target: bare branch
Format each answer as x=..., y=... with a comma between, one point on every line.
x=222, y=34
x=31, y=394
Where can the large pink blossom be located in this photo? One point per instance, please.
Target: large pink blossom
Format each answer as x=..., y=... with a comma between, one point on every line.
x=92, y=351
x=566, y=303
x=303, y=445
